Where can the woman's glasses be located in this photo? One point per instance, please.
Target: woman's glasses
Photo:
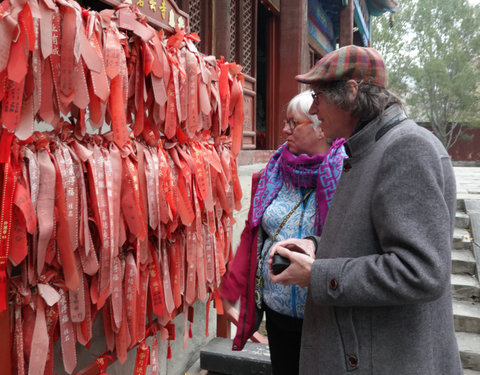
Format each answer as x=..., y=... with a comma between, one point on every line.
x=292, y=123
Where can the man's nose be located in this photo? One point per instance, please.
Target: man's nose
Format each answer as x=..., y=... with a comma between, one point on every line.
x=313, y=109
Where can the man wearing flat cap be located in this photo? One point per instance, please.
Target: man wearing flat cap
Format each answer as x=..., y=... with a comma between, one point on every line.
x=379, y=300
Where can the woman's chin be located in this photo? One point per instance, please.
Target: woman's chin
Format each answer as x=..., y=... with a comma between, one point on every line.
x=291, y=148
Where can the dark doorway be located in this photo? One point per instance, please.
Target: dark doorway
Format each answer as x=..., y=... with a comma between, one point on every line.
x=266, y=77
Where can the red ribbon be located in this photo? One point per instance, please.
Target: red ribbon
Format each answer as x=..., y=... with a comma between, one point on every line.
x=8, y=192
x=142, y=360
x=102, y=363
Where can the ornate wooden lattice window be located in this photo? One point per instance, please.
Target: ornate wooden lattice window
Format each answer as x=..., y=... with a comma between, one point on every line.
x=207, y=18
x=194, y=10
x=227, y=28
x=247, y=35
x=233, y=26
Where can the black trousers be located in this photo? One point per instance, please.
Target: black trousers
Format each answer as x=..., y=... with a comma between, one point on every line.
x=284, y=338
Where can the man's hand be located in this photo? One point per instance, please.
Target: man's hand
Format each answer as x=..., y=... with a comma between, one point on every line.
x=301, y=254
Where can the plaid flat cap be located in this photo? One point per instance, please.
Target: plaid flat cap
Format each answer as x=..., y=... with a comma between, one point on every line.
x=349, y=62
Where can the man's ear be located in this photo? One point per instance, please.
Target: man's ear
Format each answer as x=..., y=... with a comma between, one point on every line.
x=352, y=89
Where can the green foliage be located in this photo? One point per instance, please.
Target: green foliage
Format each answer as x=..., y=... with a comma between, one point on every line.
x=432, y=52
x=467, y=138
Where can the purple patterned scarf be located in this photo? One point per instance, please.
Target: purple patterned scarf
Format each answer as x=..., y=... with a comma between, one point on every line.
x=320, y=171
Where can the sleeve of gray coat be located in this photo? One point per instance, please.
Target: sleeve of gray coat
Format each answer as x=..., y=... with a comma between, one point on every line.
x=413, y=212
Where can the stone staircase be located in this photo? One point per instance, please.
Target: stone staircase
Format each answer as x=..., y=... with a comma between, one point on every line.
x=218, y=359
x=465, y=283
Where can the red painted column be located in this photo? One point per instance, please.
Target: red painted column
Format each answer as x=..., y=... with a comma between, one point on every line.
x=293, y=57
x=223, y=326
x=220, y=29
x=5, y=342
x=346, y=24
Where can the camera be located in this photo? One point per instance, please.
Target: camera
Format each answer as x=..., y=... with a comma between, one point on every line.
x=279, y=263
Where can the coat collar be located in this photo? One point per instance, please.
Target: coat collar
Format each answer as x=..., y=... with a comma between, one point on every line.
x=374, y=130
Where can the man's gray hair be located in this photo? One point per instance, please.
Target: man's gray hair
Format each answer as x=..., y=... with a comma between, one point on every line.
x=371, y=101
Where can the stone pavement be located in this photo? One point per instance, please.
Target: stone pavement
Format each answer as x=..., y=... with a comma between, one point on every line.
x=468, y=182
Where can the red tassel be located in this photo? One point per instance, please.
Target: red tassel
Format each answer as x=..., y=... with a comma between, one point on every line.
x=190, y=332
x=169, y=352
x=3, y=290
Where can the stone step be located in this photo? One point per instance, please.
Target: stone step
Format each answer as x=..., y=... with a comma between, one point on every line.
x=463, y=261
x=196, y=370
x=462, y=239
x=465, y=287
x=469, y=347
x=460, y=204
x=462, y=220
x=466, y=315
x=470, y=205
x=218, y=357
x=470, y=372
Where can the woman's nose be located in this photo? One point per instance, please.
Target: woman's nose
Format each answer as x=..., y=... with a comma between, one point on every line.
x=286, y=128
x=313, y=109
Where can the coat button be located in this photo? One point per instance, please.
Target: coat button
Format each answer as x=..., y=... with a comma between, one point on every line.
x=333, y=284
x=352, y=360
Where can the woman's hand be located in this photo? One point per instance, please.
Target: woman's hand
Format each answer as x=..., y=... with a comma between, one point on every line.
x=301, y=253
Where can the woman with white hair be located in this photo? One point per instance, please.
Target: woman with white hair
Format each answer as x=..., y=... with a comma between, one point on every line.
x=290, y=198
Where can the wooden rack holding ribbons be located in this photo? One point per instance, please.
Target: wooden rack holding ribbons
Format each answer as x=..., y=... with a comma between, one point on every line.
x=124, y=208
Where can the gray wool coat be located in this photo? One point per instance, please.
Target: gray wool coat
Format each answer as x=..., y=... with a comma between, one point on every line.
x=379, y=299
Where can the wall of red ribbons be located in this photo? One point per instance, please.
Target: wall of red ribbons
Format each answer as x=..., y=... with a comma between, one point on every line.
x=133, y=223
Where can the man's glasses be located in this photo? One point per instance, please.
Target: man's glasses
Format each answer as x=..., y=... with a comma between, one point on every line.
x=315, y=96
x=292, y=123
